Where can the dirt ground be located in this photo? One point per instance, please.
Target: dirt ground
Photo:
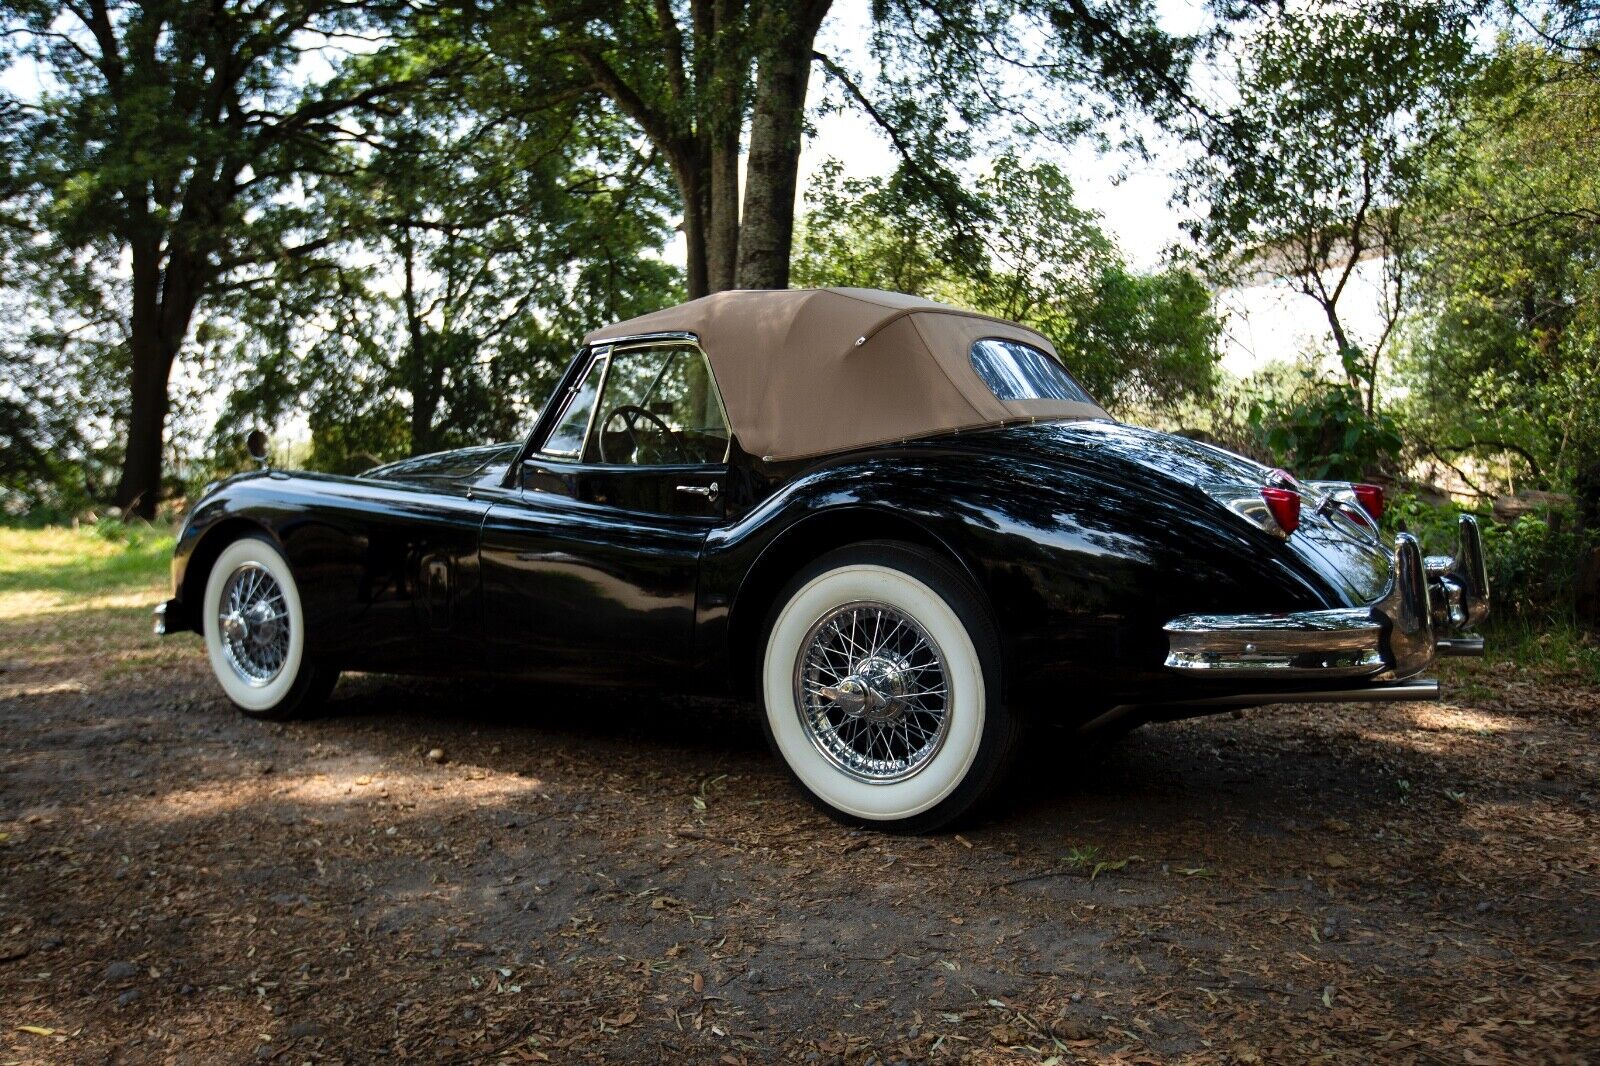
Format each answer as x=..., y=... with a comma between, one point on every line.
x=626, y=877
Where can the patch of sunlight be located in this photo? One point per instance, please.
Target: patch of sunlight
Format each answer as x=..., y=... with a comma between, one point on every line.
x=1449, y=718
x=151, y=659
x=1534, y=819
x=50, y=688
x=87, y=561
x=34, y=603
x=417, y=792
x=1435, y=729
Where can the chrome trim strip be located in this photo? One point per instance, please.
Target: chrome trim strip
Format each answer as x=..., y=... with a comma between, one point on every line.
x=1338, y=503
x=1416, y=689
x=1472, y=570
x=1408, y=607
x=658, y=335
x=1394, y=638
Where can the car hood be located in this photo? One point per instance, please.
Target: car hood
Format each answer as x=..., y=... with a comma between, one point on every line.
x=463, y=466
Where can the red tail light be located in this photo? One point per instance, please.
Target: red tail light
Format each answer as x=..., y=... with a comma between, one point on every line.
x=1285, y=507
x=1371, y=499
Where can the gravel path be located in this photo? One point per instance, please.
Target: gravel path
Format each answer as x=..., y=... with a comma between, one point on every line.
x=589, y=876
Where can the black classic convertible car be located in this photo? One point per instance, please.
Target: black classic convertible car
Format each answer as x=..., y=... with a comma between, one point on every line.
x=902, y=527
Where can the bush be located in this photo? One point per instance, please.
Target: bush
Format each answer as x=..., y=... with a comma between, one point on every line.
x=1323, y=431
x=1535, y=562
x=1534, y=566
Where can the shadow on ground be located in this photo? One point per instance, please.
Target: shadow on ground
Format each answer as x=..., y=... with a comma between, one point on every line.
x=623, y=875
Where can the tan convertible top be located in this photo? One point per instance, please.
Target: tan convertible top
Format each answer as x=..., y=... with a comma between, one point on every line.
x=806, y=372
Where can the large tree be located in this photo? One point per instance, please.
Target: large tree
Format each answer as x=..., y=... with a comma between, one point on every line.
x=1310, y=179
x=481, y=230
x=164, y=132
x=707, y=80
x=1504, y=360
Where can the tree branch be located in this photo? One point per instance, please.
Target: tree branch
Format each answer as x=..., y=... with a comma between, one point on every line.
x=608, y=81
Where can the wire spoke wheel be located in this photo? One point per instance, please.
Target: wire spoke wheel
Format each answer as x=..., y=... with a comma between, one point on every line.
x=253, y=619
x=872, y=692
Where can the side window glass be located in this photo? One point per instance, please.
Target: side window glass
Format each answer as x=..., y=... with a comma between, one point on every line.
x=1017, y=371
x=566, y=440
x=659, y=407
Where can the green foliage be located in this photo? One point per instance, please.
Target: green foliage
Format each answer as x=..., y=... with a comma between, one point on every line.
x=1557, y=648
x=1504, y=358
x=157, y=170
x=1031, y=256
x=1314, y=170
x=491, y=231
x=1322, y=430
x=1534, y=564
x=1534, y=561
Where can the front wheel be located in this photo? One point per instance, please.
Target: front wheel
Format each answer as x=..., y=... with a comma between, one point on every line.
x=255, y=634
x=882, y=686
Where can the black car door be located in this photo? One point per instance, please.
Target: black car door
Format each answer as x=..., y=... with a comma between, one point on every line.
x=590, y=562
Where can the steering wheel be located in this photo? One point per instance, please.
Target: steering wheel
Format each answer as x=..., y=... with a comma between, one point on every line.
x=630, y=415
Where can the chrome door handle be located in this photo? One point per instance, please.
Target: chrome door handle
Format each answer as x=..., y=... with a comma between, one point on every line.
x=710, y=492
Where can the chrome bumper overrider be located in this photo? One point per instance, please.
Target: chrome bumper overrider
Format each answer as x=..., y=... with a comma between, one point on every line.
x=169, y=618
x=1429, y=604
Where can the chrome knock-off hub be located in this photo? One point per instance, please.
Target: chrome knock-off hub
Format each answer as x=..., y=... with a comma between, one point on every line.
x=876, y=691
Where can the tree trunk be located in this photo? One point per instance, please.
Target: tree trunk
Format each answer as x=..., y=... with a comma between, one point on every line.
x=722, y=230
x=418, y=362
x=722, y=123
x=422, y=410
x=151, y=356
x=139, y=489
x=691, y=184
x=766, y=234
x=424, y=386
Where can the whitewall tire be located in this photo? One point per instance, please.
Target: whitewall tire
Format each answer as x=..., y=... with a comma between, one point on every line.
x=882, y=689
x=255, y=633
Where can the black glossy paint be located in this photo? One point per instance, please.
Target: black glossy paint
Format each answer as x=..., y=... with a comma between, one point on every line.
x=1086, y=537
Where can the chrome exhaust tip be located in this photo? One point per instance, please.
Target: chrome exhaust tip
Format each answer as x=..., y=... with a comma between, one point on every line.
x=1465, y=647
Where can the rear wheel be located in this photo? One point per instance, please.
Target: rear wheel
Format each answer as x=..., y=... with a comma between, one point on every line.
x=255, y=633
x=882, y=686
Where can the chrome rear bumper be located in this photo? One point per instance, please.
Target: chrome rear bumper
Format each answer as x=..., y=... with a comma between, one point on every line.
x=1428, y=605
x=1339, y=643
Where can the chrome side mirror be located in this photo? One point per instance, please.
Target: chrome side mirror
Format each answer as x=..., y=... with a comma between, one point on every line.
x=256, y=445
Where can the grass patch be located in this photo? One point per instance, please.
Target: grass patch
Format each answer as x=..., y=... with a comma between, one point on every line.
x=1557, y=650
x=87, y=561
x=57, y=569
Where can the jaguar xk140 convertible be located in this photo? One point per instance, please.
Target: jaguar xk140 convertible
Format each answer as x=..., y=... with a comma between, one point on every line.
x=901, y=527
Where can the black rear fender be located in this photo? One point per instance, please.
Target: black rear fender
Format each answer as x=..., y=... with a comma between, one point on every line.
x=1080, y=567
